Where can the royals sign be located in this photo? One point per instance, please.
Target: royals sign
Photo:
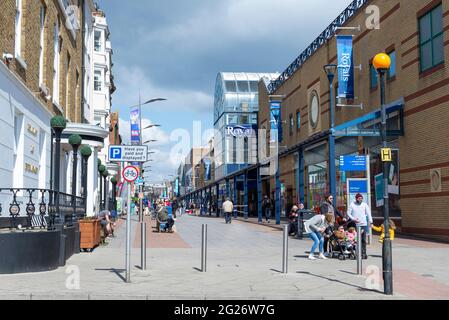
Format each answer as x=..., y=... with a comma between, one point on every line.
x=240, y=131
x=345, y=67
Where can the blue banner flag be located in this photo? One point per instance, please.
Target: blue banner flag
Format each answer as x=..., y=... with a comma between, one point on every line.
x=135, y=126
x=345, y=67
x=275, y=119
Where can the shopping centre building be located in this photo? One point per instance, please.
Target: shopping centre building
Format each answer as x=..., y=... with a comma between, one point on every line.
x=415, y=36
x=414, y=33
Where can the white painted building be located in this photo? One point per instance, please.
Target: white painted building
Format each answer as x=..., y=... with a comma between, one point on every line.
x=24, y=138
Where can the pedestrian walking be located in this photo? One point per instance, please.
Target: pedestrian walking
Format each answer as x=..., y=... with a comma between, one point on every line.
x=360, y=213
x=316, y=227
x=228, y=208
x=267, y=206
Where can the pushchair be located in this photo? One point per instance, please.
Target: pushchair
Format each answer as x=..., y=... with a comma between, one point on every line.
x=341, y=249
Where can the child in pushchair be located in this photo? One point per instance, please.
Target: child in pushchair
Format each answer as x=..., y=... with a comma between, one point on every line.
x=340, y=246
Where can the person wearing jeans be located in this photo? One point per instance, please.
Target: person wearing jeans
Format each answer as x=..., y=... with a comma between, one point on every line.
x=315, y=227
x=360, y=214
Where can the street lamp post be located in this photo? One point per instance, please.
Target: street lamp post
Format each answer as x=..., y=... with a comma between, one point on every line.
x=382, y=63
x=75, y=141
x=58, y=124
x=101, y=169
x=141, y=218
x=105, y=190
x=86, y=152
x=330, y=70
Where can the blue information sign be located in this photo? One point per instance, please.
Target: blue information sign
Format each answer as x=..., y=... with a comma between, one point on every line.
x=352, y=163
x=358, y=186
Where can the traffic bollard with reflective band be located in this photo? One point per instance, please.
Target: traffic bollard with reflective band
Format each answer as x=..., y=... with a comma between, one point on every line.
x=204, y=248
x=285, y=251
x=359, y=250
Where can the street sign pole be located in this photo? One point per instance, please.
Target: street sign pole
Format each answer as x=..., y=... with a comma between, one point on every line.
x=128, y=237
x=129, y=174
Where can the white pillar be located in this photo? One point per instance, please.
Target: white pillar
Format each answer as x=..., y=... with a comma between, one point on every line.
x=92, y=176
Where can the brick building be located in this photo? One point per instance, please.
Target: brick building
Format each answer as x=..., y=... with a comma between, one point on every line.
x=415, y=35
x=45, y=50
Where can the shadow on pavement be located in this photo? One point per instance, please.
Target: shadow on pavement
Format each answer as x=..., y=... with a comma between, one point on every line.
x=276, y=270
x=197, y=269
x=116, y=271
x=302, y=257
x=338, y=281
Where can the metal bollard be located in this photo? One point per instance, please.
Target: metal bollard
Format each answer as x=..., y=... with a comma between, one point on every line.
x=285, y=251
x=204, y=248
x=359, y=250
x=143, y=248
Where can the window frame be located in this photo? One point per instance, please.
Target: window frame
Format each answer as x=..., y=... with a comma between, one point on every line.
x=391, y=77
x=42, y=18
x=298, y=120
x=372, y=75
x=56, y=61
x=100, y=41
x=433, y=36
x=100, y=80
x=291, y=124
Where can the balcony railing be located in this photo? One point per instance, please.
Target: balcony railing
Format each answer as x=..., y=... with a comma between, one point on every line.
x=41, y=208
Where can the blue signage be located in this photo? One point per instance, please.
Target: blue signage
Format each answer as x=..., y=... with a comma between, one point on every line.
x=352, y=163
x=115, y=153
x=275, y=119
x=358, y=186
x=345, y=67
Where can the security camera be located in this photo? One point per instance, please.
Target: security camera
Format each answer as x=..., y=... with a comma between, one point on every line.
x=8, y=57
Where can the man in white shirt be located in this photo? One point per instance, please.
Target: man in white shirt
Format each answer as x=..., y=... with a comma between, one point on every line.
x=360, y=213
x=228, y=208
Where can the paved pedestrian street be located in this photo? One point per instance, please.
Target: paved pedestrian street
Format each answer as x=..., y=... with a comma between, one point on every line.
x=244, y=261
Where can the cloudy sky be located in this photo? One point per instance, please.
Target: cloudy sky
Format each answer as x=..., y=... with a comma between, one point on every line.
x=175, y=48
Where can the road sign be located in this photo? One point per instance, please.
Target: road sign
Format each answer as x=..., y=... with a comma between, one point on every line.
x=386, y=154
x=128, y=153
x=139, y=181
x=352, y=163
x=130, y=173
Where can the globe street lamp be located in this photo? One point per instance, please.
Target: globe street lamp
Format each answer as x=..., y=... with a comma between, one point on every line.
x=330, y=70
x=382, y=63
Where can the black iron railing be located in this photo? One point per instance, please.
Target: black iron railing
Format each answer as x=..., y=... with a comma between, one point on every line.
x=41, y=208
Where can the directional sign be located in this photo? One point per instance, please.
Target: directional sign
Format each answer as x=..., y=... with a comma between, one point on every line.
x=139, y=181
x=130, y=173
x=386, y=154
x=352, y=163
x=128, y=153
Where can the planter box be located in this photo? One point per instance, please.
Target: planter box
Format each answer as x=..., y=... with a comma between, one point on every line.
x=89, y=234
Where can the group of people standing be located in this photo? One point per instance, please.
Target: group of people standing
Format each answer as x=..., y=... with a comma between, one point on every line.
x=330, y=220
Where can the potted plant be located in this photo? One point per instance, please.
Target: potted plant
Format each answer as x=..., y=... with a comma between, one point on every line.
x=89, y=233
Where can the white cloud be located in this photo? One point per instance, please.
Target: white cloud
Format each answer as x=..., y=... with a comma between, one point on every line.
x=132, y=79
x=291, y=21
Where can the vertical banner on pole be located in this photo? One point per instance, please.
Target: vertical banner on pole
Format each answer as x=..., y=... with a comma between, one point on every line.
x=345, y=67
x=135, y=126
x=275, y=119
